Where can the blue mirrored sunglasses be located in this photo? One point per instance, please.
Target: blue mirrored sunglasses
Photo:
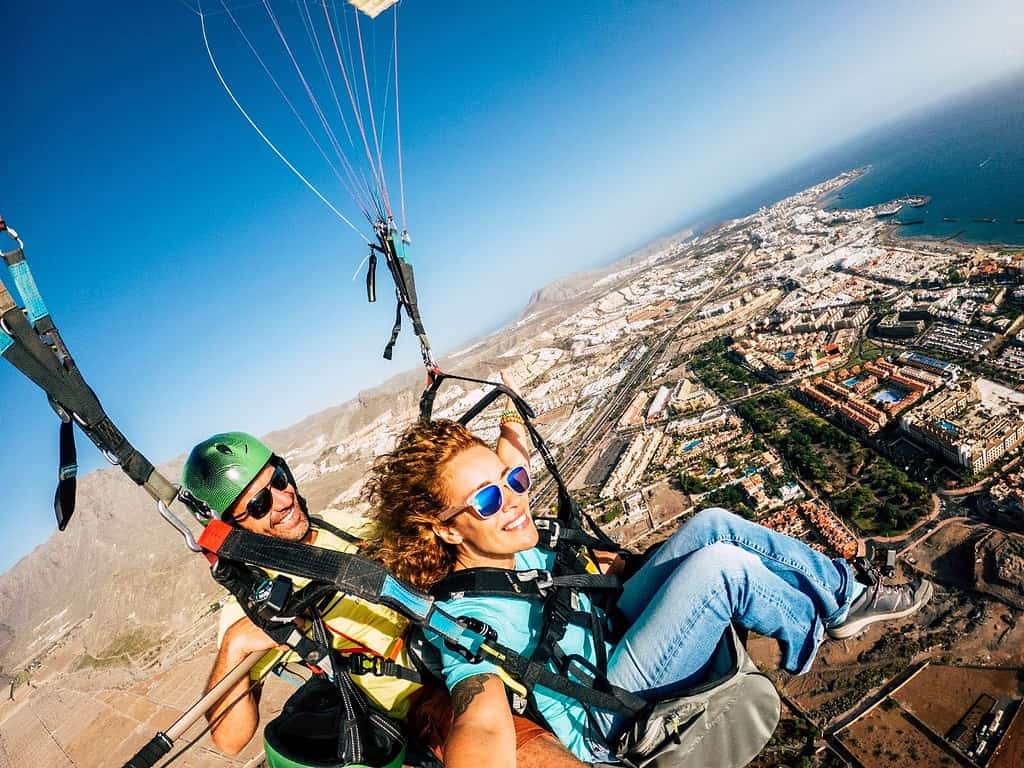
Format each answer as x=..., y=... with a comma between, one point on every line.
x=488, y=501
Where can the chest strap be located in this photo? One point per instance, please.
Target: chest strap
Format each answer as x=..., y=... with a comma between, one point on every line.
x=369, y=580
x=532, y=584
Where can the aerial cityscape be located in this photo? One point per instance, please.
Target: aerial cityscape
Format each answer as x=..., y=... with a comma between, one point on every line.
x=801, y=366
x=696, y=442
x=804, y=367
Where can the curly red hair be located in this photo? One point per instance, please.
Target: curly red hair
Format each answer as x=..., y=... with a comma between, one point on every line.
x=406, y=493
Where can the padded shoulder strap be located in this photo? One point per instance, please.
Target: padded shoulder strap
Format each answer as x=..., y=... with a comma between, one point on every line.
x=530, y=584
x=351, y=538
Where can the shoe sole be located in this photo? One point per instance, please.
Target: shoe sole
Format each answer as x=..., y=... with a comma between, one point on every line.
x=845, y=631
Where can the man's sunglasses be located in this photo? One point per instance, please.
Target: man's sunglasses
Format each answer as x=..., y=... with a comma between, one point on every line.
x=261, y=504
x=488, y=501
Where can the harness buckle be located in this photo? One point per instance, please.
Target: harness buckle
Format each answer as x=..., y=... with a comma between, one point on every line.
x=473, y=625
x=553, y=527
x=541, y=578
x=364, y=664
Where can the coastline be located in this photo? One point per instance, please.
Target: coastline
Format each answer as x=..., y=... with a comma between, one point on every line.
x=891, y=235
x=831, y=197
x=891, y=232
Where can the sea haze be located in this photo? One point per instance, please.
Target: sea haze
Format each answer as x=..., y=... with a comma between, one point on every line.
x=966, y=154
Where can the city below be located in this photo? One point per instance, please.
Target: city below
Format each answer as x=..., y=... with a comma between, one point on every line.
x=808, y=369
x=804, y=367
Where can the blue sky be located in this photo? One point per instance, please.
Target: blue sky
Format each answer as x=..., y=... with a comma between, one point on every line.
x=202, y=288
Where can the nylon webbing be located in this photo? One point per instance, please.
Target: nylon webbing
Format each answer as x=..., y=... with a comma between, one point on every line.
x=404, y=278
x=30, y=341
x=529, y=584
x=366, y=579
x=67, y=484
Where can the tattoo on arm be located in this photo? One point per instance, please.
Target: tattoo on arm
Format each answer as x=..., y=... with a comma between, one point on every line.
x=465, y=691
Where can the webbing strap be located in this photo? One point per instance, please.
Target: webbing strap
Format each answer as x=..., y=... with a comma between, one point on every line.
x=531, y=674
x=46, y=362
x=26, y=286
x=527, y=585
x=67, y=484
x=395, y=330
x=569, y=515
x=33, y=358
x=366, y=579
x=404, y=278
x=319, y=522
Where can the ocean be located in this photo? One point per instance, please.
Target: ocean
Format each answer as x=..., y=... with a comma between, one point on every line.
x=967, y=154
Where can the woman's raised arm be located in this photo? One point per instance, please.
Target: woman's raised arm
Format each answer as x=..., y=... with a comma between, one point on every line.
x=513, y=446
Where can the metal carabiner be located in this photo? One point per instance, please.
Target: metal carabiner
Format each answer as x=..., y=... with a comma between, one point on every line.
x=179, y=525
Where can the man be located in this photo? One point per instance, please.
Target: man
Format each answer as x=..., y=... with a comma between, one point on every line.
x=242, y=482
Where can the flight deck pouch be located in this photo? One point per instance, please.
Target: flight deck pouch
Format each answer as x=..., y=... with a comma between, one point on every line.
x=306, y=733
x=724, y=723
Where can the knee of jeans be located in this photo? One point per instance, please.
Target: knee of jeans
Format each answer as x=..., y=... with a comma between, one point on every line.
x=714, y=518
x=722, y=561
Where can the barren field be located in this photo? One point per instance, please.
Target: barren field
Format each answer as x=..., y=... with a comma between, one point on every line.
x=947, y=556
x=939, y=696
x=1011, y=749
x=886, y=738
x=89, y=719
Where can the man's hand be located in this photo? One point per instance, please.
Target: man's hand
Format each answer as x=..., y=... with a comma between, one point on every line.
x=609, y=563
x=243, y=637
x=235, y=718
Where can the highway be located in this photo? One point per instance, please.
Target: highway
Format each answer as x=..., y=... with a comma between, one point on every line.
x=602, y=421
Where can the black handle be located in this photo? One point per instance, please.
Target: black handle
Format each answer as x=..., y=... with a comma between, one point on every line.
x=148, y=756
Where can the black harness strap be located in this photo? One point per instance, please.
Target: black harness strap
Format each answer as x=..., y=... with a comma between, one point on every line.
x=369, y=580
x=530, y=584
x=573, y=537
x=319, y=522
x=67, y=484
x=30, y=341
x=571, y=519
x=404, y=278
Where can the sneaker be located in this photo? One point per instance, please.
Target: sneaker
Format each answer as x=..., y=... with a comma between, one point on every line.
x=882, y=602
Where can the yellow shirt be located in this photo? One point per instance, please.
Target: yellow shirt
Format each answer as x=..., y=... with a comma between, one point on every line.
x=352, y=623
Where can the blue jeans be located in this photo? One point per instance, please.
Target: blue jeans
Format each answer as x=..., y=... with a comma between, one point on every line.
x=719, y=568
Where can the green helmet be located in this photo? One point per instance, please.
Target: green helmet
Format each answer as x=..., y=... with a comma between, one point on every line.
x=219, y=469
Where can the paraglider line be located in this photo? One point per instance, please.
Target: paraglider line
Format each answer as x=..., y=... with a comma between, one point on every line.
x=359, y=269
x=302, y=78
x=387, y=95
x=373, y=121
x=323, y=153
x=349, y=50
x=182, y=2
x=314, y=39
x=398, y=129
x=266, y=140
x=351, y=96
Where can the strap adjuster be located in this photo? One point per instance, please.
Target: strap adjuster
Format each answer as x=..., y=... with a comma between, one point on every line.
x=553, y=527
x=490, y=634
x=538, y=576
x=364, y=664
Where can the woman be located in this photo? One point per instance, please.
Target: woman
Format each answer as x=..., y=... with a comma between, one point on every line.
x=445, y=501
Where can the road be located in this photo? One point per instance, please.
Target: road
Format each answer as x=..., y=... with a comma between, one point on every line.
x=599, y=424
